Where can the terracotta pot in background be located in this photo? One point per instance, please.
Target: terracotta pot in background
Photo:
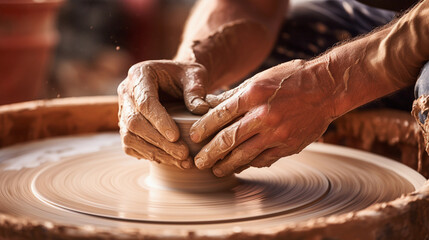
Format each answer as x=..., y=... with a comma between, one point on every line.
x=27, y=38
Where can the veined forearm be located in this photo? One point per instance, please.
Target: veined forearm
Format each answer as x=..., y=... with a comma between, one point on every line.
x=230, y=38
x=379, y=63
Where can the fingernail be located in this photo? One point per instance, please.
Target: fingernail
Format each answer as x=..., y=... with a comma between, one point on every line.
x=198, y=102
x=211, y=100
x=218, y=172
x=195, y=137
x=185, y=164
x=180, y=154
x=170, y=135
x=199, y=162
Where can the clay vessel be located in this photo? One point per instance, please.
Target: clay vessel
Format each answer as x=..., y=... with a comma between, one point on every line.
x=27, y=38
x=171, y=177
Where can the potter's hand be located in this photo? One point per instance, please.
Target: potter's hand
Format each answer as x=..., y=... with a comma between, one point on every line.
x=146, y=129
x=274, y=114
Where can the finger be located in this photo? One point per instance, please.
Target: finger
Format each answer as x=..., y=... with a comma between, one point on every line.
x=216, y=118
x=142, y=128
x=150, y=152
x=194, y=91
x=240, y=156
x=270, y=156
x=145, y=96
x=226, y=140
x=214, y=100
x=131, y=152
x=137, y=124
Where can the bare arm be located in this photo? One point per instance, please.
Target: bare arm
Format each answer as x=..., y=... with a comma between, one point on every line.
x=231, y=37
x=381, y=62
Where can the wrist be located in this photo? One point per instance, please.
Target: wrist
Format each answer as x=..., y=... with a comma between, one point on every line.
x=186, y=55
x=230, y=52
x=319, y=86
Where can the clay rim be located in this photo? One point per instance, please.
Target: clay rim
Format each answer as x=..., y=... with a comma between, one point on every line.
x=176, y=112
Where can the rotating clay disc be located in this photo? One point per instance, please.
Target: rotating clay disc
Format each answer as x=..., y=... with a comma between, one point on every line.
x=88, y=180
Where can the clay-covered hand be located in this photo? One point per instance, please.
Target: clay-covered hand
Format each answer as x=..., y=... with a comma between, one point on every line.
x=146, y=128
x=274, y=114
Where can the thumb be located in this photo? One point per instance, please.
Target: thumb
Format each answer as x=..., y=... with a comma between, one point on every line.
x=194, y=90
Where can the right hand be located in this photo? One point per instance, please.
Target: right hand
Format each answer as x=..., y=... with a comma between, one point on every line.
x=275, y=113
x=146, y=129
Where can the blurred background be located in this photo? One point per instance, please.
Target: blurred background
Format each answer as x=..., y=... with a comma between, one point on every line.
x=60, y=48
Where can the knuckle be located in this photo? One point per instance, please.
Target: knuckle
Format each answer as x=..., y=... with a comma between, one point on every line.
x=194, y=87
x=132, y=70
x=198, y=71
x=128, y=151
x=262, y=112
x=133, y=122
x=269, y=119
x=182, y=151
x=282, y=135
x=146, y=103
x=238, y=155
x=254, y=89
x=214, y=100
x=150, y=155
x=127, y=139
x=141, y=68
x=257, y=92
x=273, y=119
x=153, y=157
x=226, y=140
x=219, y=113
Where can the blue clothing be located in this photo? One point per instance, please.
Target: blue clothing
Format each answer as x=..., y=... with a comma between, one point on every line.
x=422, y=88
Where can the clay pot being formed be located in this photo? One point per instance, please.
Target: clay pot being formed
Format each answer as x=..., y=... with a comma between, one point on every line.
x=27, y=38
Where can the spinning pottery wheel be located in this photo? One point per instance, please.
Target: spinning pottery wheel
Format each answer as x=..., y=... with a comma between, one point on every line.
x=73, y=181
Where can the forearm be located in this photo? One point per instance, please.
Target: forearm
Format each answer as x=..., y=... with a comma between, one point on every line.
x=230, y=38
x=379, y=63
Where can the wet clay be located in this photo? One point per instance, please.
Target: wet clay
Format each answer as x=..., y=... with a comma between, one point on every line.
x=265, y=203
x=189, y=178
x=103, y=187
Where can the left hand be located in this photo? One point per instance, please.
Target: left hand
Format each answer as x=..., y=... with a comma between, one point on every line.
x=146, y=128
x=276, y=113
